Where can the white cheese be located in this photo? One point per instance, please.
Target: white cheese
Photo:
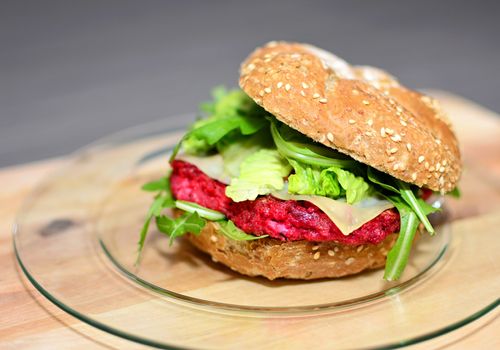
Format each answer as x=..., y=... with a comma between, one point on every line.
x=347, y=217
x=212, y=165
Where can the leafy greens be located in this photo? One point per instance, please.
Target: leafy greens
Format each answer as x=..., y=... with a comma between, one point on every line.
x=259, y=152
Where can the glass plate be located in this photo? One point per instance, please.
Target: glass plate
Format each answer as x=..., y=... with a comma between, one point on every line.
x=76, y=240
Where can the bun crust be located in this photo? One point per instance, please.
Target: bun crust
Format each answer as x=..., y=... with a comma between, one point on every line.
x=306, y=260
x=360, y=111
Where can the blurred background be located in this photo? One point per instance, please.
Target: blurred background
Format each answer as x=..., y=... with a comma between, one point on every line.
x=72, y=71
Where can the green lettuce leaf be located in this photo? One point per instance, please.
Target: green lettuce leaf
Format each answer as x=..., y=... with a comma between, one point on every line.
x=234, y=150
x=306, y=179
x=229, y=229
x=261, y=173
x=332, y=182
x=355, y=187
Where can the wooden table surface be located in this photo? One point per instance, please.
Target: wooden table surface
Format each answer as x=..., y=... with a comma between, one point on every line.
x=28, y=320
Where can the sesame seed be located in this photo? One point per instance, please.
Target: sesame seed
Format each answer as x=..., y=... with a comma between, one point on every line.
x=302, y=93
x=414, y=176
x=213, y=238
x=349, y=261
x=382, y=132
x=323, y=100
x=316, y=95
x=322, y=138
x=336, y=249
x=396, y=138
x=438, y=165
x=365, y=102
x=360, y=248
x=393, y=150
x=355, y=92
x=368, y=133
x=408, y=147
x=426, y=165
x=331, y=252
x=251, y=66
x=389, y=131
x=399, y=109
x=403, y=122
x=279, y=85
x=329, y=136
x=287, y=87
x=316, y=247
x=445, y=162
x=392, y=158
x=431, y=169
x=396, y=166
x=261, y=93
x=305, y=86
x=352, y=121
x=442, y=169
x=369, y=122
x=438, y=141
x=421, y=159
x=267, y=90
x=316, y=255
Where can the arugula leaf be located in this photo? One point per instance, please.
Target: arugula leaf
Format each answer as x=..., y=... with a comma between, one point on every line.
x=455, y=193
x=161, y=202
x=156, y=185
x=397, y=258
x=308, y=152
x=163, y=199
x=381, y=179
x=231, y=112
x=186, y=223
x=260, y=173
x=203, y=212
x=407, y=194
x=229, y=229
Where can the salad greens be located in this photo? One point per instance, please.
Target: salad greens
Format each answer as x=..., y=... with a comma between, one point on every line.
x=229, y=229
x=260, y=173
x=259, y=153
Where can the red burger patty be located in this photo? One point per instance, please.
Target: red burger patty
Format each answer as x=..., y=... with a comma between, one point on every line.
x=284, y=220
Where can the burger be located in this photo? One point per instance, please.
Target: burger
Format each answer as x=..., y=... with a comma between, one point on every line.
x=314, y=168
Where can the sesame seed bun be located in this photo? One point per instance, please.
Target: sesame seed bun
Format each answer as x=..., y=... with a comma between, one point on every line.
x=361, y=111
x=272, y=258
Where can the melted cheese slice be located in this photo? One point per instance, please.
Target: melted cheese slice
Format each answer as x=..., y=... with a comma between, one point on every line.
x=347, y=217
x=212, y=165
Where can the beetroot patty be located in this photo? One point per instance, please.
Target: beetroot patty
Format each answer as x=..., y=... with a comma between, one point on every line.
x=284, y=220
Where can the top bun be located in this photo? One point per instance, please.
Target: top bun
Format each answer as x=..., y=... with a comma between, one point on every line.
x=361, y=111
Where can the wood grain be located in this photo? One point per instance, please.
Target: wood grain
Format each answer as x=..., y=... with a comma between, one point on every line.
x=28, y=320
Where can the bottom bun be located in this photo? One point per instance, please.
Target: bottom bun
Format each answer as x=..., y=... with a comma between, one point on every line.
x=306, y=260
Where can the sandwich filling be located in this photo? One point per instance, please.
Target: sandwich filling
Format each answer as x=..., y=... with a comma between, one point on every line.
x=256, y=177
x=280, y=219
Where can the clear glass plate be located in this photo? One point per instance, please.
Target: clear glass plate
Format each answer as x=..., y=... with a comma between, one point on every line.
x=76, y=241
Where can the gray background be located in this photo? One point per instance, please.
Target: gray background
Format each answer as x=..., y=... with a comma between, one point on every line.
x=73, y=71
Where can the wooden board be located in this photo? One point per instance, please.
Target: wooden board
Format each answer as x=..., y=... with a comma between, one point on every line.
x=28, y=320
